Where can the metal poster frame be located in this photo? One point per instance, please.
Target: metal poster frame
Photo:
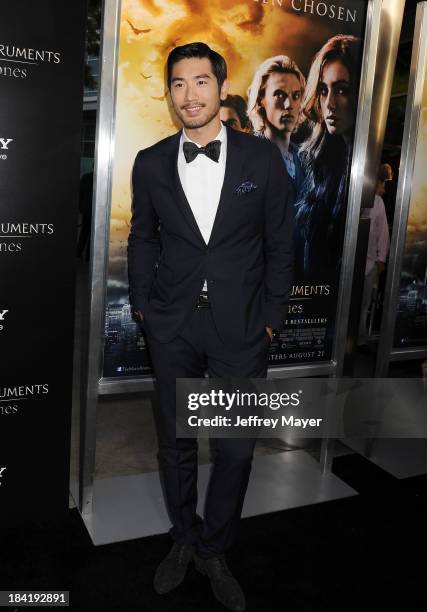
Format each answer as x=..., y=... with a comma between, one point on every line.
x=98, y=250
x=383, y=23
x=386, y=351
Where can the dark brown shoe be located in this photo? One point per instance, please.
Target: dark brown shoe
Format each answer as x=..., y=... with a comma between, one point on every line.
x=224, y=586
x=171, y=571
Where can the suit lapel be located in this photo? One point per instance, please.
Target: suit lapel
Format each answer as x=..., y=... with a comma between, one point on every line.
x=233, y=167
x=177, y=189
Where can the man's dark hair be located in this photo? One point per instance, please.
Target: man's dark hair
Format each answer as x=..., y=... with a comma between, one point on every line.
x=198, y=49
x=238, y=104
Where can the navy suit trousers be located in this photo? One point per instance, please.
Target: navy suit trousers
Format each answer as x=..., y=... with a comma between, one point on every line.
x=199, y=348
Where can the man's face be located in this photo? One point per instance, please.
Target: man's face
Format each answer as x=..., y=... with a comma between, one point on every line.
x=194, y=92
x=231, y=118
x=389, y=171
x=335, y=97
x=282, y=101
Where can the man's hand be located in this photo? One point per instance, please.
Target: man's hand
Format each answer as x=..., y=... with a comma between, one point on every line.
x=381, y=266
x=269, y=331
x=140, y=315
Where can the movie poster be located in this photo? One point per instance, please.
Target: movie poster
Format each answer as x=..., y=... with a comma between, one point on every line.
x=315, y=46
x=411, y=320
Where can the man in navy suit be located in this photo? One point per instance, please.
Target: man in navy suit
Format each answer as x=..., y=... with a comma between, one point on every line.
x=210, y=270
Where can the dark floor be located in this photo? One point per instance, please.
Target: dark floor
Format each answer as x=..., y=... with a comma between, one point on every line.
x=364, y=554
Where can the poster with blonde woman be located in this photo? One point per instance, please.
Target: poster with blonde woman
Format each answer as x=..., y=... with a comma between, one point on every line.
x=293, y=70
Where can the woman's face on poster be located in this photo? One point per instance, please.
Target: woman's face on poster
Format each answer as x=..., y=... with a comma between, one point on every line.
x=335, y=98
x=282, y=101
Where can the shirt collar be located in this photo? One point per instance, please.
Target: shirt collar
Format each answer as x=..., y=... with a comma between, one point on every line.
x=222, y=136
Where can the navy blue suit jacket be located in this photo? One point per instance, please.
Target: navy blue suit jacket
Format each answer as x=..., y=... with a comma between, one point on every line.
x=248, y=262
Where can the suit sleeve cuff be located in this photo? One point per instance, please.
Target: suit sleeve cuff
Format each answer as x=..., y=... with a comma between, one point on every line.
x=274, y=318
x=138, y=304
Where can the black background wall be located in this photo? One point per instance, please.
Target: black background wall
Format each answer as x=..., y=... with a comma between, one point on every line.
x=41, y=80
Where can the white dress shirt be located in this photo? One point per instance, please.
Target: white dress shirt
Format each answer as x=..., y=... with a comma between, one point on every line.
x=202, y=181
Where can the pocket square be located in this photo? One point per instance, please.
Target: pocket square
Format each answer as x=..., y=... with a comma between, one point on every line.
x=245, y=187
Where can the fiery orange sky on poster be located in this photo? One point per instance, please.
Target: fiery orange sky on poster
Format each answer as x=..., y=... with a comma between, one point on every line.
x=417, y=221
x=245, y=32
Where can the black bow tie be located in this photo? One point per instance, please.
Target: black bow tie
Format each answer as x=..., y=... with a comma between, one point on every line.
x=211, y=150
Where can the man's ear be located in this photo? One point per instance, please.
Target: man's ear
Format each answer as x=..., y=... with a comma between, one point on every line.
x=223, y=92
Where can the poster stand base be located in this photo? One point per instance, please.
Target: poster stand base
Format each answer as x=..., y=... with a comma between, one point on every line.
x=130, y=507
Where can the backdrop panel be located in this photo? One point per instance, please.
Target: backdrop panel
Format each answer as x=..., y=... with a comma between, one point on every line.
x=41, y=75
